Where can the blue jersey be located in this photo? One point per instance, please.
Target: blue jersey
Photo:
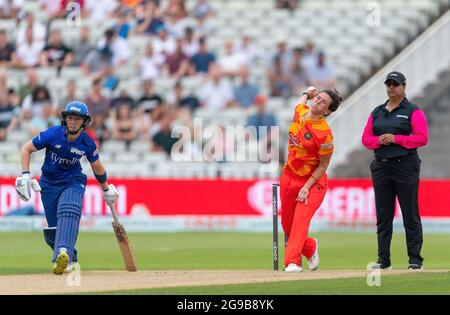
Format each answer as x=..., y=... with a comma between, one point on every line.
x=62, y=158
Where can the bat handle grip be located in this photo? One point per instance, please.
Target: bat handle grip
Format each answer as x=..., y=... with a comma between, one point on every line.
x=113, y=212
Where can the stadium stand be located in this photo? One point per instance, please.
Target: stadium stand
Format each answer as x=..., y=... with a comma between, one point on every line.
x=354, y=50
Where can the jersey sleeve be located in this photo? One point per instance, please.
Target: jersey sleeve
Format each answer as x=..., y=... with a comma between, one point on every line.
x=42, y=140
x=92, y=153
x=326, y=144
x=300, y=110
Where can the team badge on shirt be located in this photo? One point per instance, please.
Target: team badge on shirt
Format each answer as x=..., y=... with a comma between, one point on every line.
x=308, y=135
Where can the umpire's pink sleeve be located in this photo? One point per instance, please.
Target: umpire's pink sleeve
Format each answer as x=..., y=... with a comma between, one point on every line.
x=419, y=135
x=370, y=141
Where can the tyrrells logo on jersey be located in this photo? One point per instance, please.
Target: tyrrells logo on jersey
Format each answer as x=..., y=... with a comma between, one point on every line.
x=58, y=160
x=76, y=151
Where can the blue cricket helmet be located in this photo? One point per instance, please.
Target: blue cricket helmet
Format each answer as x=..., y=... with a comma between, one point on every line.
x=76, y=108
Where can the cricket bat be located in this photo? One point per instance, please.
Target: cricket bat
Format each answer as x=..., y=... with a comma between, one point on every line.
x=124, y=242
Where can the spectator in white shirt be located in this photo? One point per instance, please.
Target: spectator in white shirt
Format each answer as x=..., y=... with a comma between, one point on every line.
x=100, y=10
x=163, y=43
x=309, y=57
x=231, y=62
x=52, y=7
x=248, y=50
x=216, y=93
x=10, y=9
x=190, y=44
x=322, y=73
x=29, y=51
x=150, y=64
x=39, y=30
x=119, y=48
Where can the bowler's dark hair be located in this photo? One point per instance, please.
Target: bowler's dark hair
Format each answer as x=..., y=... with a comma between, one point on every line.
x=336, y=99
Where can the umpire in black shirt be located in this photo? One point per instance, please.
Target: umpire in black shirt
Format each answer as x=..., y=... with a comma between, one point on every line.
x=394, y=131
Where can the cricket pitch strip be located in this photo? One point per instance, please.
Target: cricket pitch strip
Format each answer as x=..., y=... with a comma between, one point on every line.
x=95, y=281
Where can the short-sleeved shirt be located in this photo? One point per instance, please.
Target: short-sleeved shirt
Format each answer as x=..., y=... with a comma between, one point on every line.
x=56, y=52
x=308, y=140
x=62, y=158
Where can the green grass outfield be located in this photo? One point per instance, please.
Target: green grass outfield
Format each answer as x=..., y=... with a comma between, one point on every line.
x=26, y=252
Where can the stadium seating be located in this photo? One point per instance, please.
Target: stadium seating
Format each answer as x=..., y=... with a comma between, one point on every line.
x=338, y=27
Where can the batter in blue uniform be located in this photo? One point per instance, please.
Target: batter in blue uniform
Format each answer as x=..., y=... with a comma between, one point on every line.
x=62, y=183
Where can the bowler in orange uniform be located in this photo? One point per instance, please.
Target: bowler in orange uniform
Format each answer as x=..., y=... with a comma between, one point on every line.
x=303, y=183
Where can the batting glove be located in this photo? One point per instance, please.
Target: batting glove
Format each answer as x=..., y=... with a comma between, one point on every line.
x=111, y=194
x=24, y=184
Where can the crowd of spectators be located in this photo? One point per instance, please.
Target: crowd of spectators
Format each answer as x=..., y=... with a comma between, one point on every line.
x=175, y=47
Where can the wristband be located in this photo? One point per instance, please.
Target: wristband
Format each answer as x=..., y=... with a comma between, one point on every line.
x=26, y=172
x=101, y=178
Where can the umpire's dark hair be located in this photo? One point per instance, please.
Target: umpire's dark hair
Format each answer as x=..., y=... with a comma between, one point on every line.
x=336, y=100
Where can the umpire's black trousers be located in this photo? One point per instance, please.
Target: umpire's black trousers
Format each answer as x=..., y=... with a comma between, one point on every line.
x=397, y=177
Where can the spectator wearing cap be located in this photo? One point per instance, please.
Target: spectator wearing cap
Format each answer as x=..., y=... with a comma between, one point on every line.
x=201, y=61
x=394, y=131
x=246, y=92
x=322, y=73
x=261, y=118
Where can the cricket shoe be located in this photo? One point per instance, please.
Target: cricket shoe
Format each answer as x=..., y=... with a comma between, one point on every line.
x=293, y=268
x=62, y=261
x=415, y=267
x=313, y=262
x=378, y=266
